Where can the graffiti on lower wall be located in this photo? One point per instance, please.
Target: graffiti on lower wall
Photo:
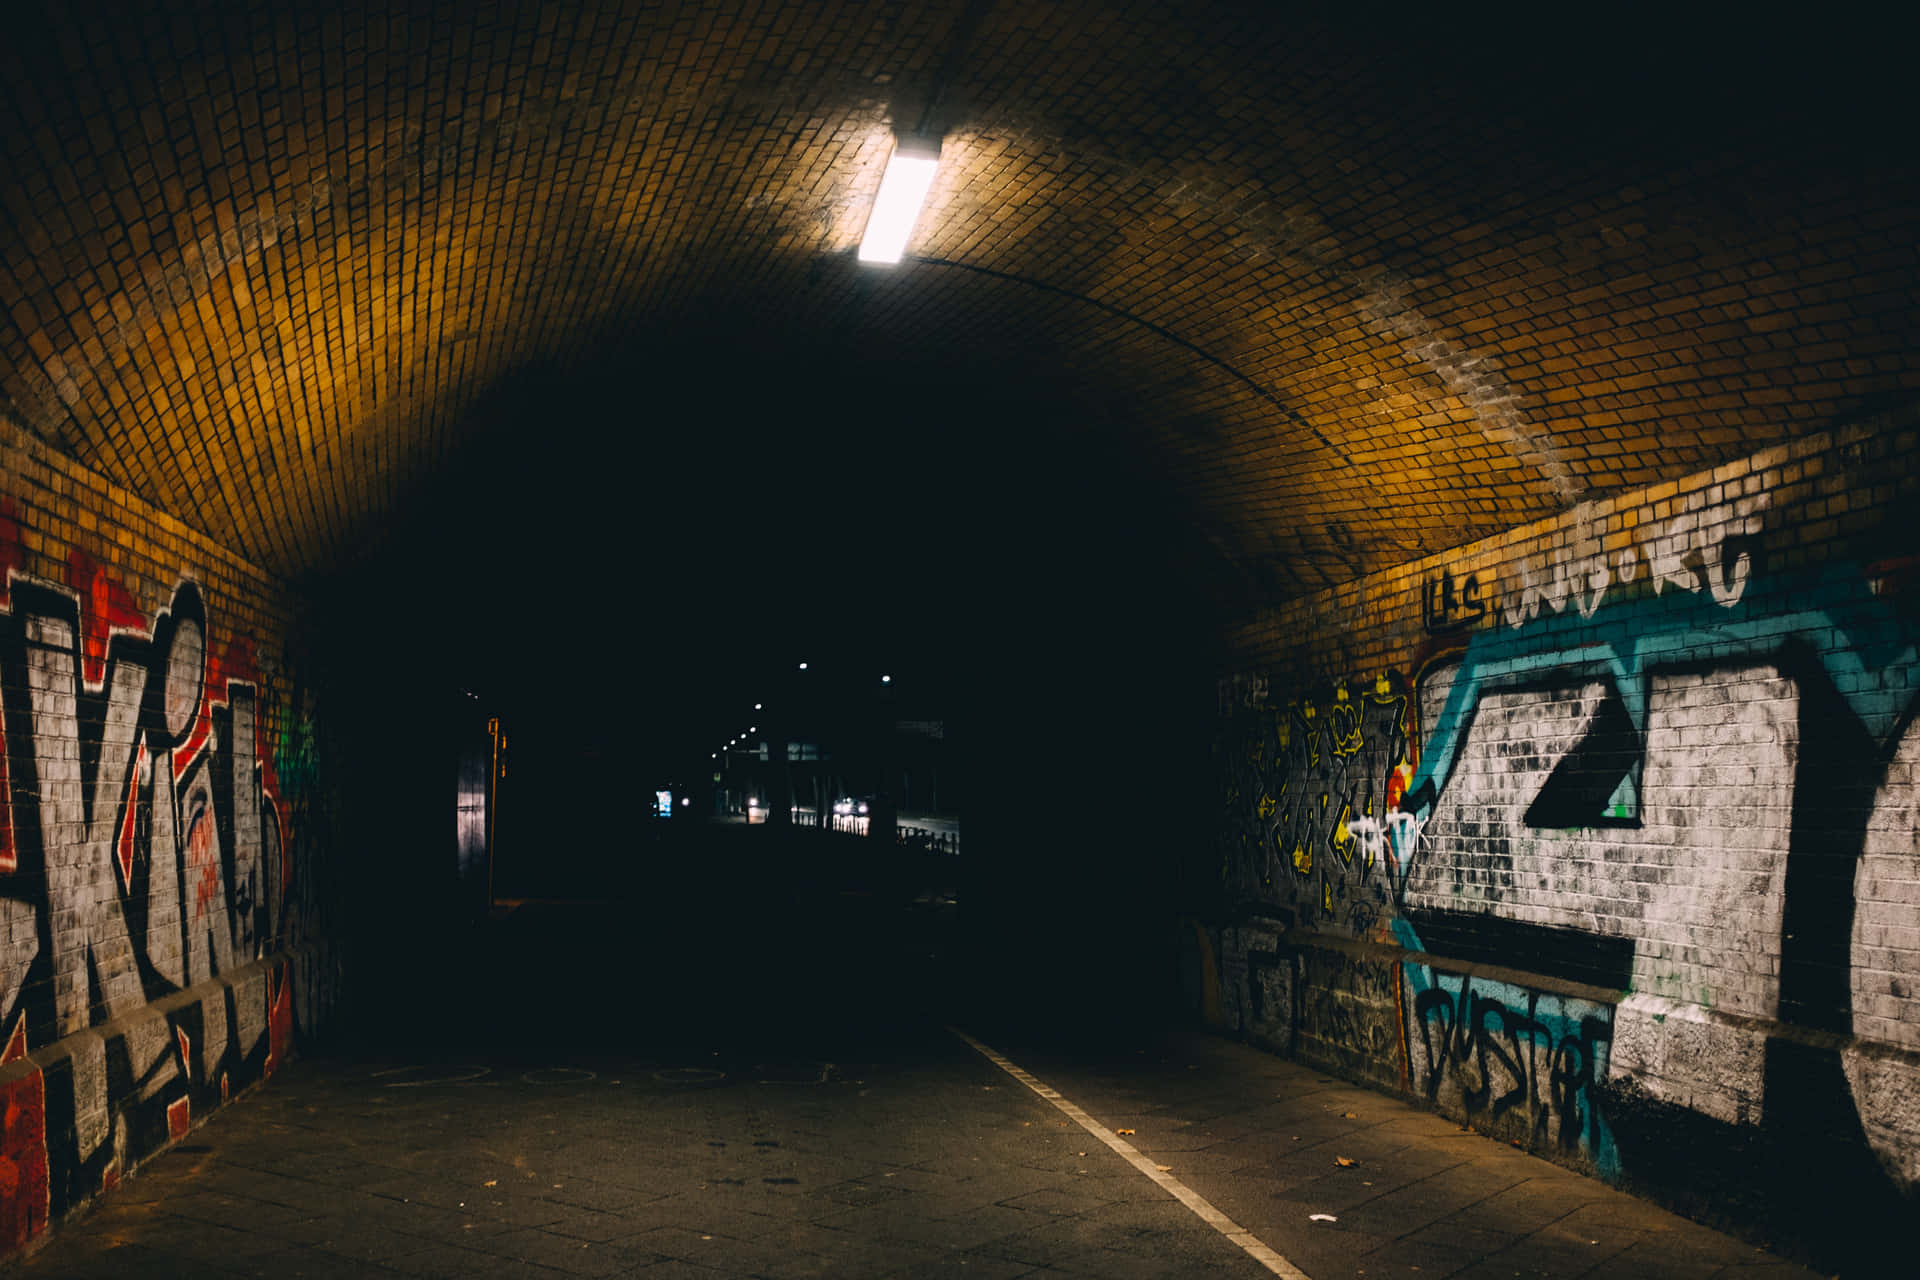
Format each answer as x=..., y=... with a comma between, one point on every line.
x=1679, y=781
x=1523, y=1062
x=144, y=850
x=1347, y=1009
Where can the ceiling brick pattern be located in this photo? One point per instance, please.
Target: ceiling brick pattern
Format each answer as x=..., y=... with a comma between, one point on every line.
x=1350, y=298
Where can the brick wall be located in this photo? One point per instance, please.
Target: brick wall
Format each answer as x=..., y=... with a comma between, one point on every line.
x=162, y=913
x=1604, y=833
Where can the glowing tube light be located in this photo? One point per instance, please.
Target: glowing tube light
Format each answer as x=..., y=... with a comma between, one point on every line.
x=903, y=190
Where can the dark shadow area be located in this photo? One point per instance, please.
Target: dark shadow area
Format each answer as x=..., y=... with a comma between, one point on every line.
x=712, y=931
x=994, y=545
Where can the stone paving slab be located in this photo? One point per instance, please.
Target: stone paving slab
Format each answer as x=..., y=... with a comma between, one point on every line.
x=916, y=1158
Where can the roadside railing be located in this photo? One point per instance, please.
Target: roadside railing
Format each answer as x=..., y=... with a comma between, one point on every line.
x=927, y=840
x=907, y=835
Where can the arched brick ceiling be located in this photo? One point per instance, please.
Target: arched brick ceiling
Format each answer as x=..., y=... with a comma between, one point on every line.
x=1347, y=289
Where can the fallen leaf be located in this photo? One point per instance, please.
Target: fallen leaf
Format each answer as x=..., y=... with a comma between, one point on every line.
x=1164, y=1168
x=491, y=1182
x=1344, y=1162
x=1349, y=1116
x=1321, y=1217
x=1125, y=1133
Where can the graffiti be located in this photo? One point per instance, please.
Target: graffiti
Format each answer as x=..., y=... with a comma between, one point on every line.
x=1257, y=984
x=144, y=850
x=1390, y=838
x=23, y=1159
x=1349, y=1006
x=1675, y=784
x=1444, y=610
x=1519, y=1063
x=1300, y=779
x=1700, y=813
x=1705, y=547
x=1506, y=838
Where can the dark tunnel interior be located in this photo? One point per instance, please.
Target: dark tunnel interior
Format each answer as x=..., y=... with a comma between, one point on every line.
x=1350, y=599
x=992, y=544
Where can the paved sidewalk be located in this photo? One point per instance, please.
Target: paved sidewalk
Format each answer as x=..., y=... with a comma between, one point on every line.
x=1267, y=1142
x=893, y=1153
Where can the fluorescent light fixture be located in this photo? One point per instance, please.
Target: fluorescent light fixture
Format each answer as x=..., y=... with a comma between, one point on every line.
x=903, y=189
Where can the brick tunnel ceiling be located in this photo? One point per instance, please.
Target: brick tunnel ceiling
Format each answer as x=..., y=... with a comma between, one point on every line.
x=1331, y=296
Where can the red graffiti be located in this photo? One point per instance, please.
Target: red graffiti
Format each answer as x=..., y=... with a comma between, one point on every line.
x=238, y=661
x=214, y=693
x=12, y=560
x=203, y=866
x=105, y=607
x=279, y=1018
x=24, y=1202
x=186, y=1050
x=1397, y=780
x=179, y=1118
x=123, y=847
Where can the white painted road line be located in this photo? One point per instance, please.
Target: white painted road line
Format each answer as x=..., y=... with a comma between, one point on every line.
x=1179, y=1190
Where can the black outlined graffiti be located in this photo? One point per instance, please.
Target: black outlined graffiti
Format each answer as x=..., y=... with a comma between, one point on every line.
x=1521, y=1063
x=148, y=854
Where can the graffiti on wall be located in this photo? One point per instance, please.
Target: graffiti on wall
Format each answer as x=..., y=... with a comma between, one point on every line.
x=1348, y=1008
x=1524, y=1060
x=144, y=850
x=1320, y=774
x=1648, y=768
x=1705, y=547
